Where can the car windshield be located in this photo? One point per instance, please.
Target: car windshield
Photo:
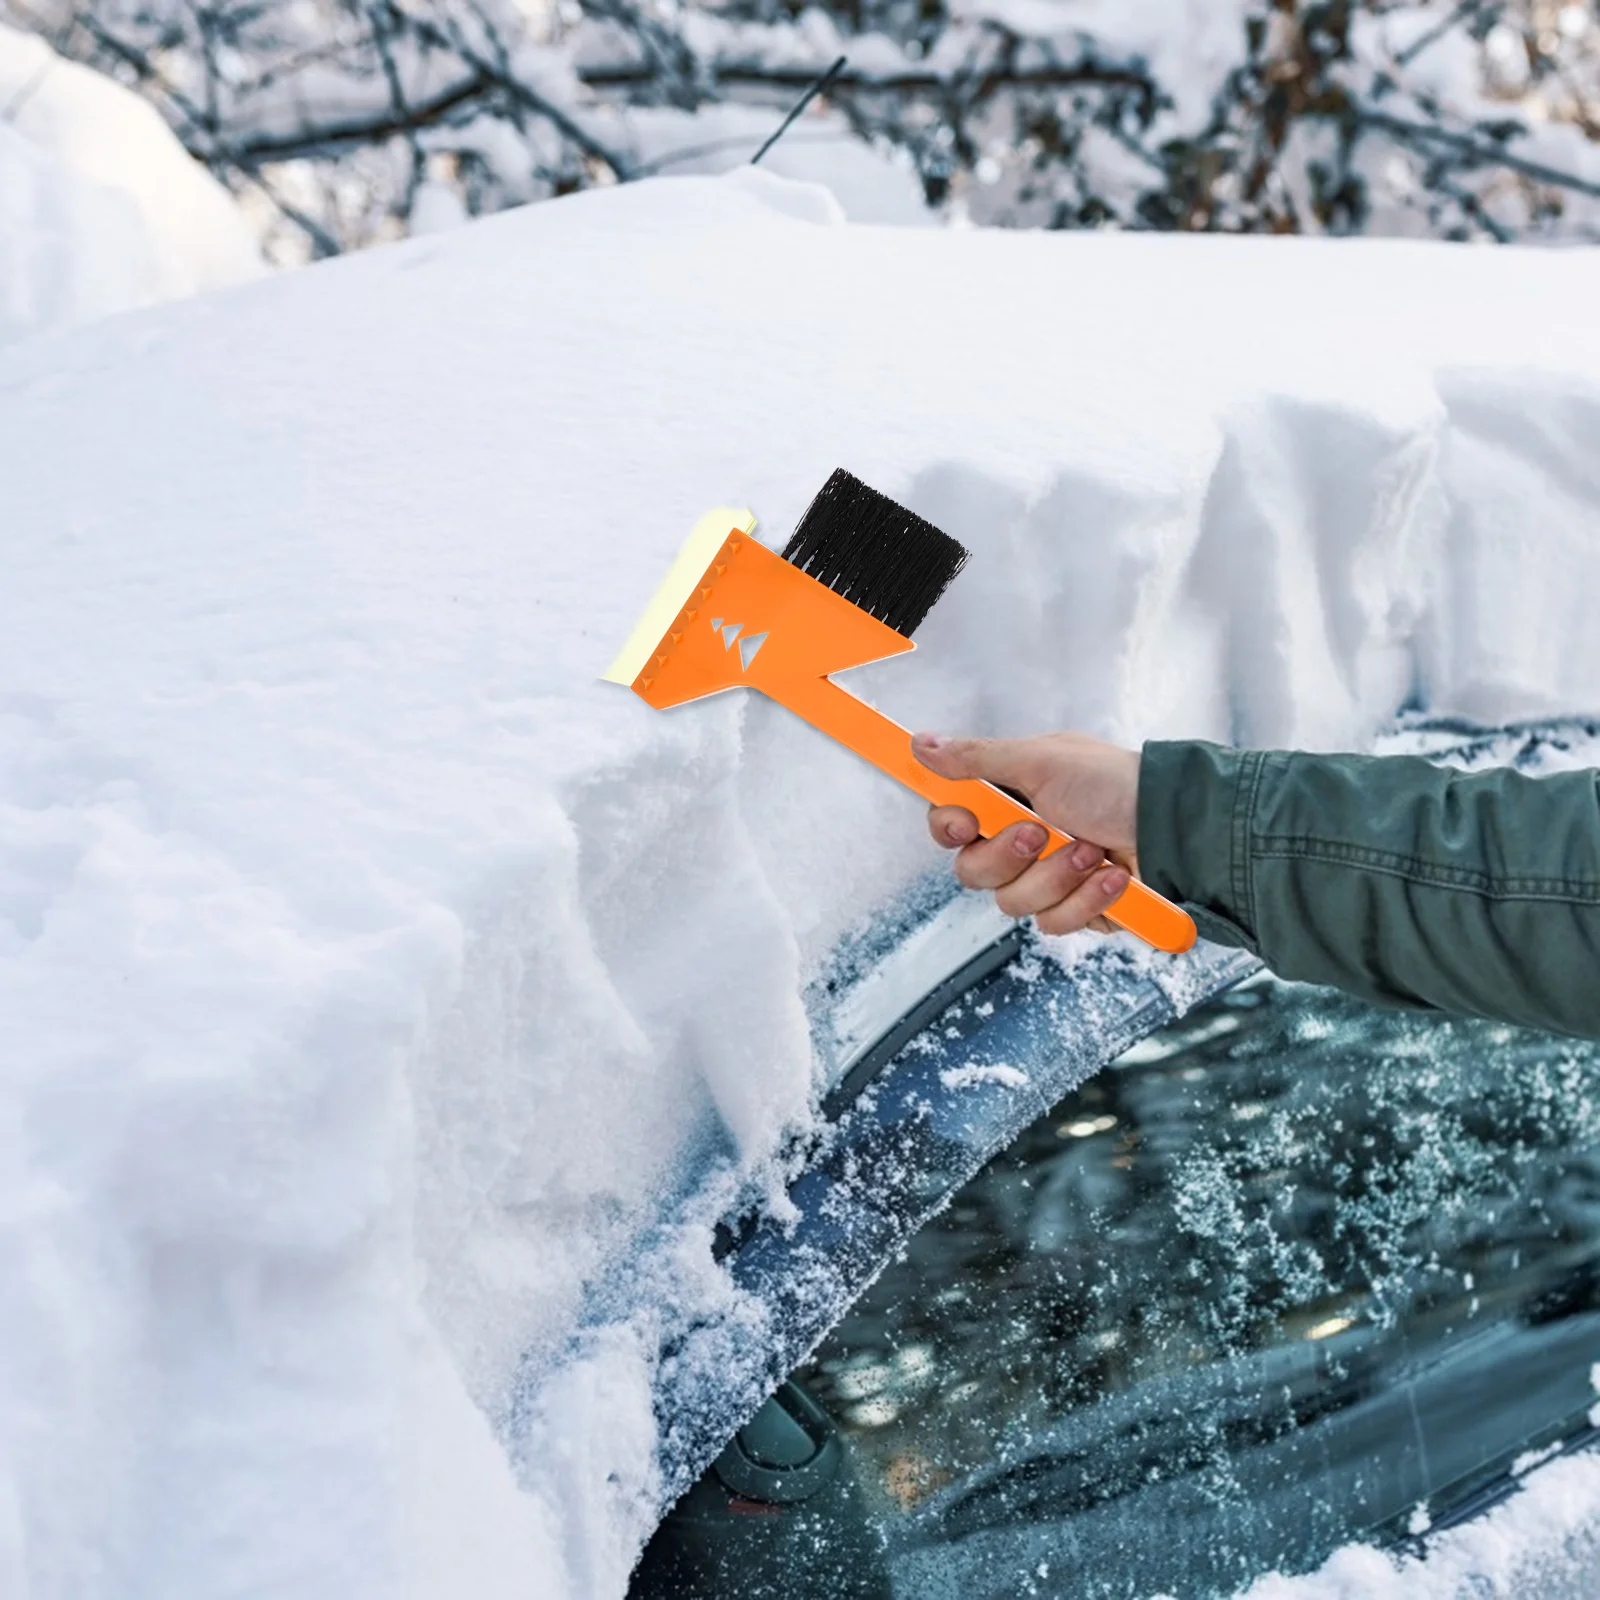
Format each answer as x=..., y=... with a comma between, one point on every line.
x=1291, y=1272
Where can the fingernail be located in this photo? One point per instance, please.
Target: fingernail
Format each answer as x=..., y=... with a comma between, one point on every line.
x=956, y=832
x=1028, y=841
x=931, y=741
x=1084, y=856
x=1114, y=882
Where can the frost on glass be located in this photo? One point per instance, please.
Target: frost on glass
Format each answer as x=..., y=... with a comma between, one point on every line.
x=1291, y=1272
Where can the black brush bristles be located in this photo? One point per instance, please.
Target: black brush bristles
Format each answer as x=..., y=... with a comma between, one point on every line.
x=875, y=553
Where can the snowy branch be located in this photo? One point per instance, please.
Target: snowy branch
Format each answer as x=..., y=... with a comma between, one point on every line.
x=1461, y=120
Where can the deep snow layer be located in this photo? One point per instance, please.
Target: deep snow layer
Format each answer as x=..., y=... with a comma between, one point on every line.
x=1544, y=1542
x=368, y=966
x=101, y=209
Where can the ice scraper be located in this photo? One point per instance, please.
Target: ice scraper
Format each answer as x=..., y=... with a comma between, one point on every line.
x=851, y=586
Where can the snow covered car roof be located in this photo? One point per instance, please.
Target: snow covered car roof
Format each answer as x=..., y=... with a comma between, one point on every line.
x=376, y=980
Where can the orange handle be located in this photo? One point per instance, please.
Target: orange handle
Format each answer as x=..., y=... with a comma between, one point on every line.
x=883, y=742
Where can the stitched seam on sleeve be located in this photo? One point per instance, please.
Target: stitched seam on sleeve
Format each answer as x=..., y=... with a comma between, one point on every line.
x=1430, y=874
x=1244, y=808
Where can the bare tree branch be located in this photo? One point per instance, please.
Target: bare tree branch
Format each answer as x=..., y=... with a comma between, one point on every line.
x=338, y=109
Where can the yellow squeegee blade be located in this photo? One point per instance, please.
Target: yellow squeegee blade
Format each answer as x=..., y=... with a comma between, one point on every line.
x=704, y=540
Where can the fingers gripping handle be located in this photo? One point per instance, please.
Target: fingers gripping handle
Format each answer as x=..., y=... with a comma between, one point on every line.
x=887, y=745
x=1139, y=909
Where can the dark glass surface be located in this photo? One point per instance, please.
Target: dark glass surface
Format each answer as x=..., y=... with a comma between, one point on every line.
x=1291, y=1272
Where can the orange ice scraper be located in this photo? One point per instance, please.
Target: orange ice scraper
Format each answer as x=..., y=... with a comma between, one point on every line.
x=851, y=586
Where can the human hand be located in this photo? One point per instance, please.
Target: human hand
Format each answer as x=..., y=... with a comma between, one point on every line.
x=1083, y=786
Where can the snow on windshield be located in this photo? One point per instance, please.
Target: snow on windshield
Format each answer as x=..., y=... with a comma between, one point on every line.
x=1546, y=1539
x=375, y=979
x=1293, y=1271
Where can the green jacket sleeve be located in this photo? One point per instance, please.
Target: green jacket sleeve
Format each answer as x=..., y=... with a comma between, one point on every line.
x=1400, y=881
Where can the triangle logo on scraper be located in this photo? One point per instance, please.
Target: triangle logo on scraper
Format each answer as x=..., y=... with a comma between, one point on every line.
x=747, y=646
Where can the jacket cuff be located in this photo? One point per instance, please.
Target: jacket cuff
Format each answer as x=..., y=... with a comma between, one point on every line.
x=1194, y=813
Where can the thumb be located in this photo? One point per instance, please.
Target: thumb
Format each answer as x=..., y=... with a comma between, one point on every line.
x=1013, y=763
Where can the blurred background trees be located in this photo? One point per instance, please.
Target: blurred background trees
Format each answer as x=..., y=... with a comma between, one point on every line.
x=342, y=122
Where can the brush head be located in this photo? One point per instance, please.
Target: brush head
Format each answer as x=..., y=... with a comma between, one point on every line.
x=874, y=553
